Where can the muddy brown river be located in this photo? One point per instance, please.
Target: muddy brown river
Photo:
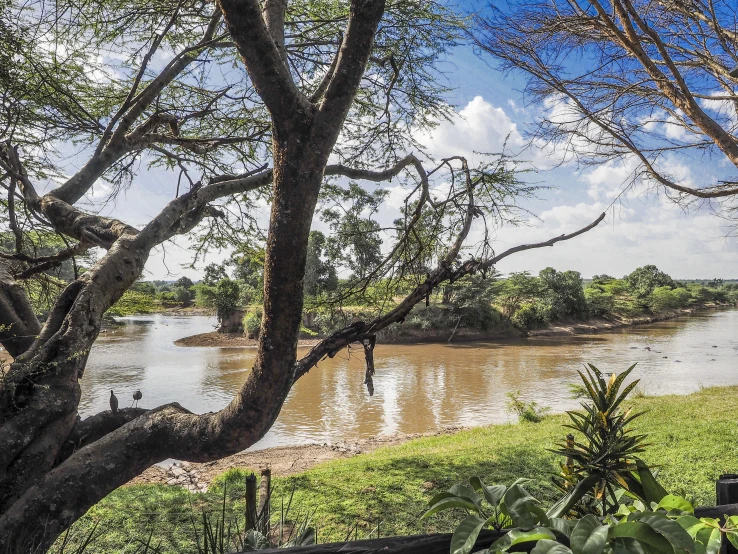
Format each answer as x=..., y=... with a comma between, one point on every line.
x=418, y=388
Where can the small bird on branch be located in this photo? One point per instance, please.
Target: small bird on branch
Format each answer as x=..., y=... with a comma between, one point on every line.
x=113, y=402
x=136, y=397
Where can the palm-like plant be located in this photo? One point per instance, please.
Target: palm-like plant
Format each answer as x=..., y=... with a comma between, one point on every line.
x=604, y=458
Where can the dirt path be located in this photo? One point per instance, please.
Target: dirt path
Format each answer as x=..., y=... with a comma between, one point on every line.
x=287, y=460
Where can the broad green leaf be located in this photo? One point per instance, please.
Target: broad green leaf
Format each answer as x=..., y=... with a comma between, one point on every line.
x=589, y=536
x=642, y=533
x=465, y=535
x=732, y=536
x=672, y=502
x=546, y=546
x=440, y=496
x=688, y=521
x=465, y=492
x=493, y=494
x=518, y=536
x=671, y=531
x=448, y=503
x=560, y=525
x=628, y=546
x=517, y=504
x=710, y=538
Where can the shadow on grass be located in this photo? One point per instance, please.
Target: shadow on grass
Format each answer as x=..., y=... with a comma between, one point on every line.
x=394, y=493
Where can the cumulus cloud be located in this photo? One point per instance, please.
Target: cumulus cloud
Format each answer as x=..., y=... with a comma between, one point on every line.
x=478, y=127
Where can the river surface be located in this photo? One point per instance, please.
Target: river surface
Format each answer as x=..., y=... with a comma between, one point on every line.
x=418, y=388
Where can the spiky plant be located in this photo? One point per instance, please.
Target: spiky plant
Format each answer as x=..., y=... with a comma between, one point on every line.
x=601, y=458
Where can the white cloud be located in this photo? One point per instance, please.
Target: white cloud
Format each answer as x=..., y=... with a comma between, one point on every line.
x=478, y=127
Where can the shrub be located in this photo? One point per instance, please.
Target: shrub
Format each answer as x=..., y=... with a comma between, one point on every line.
x=662, y=298
x=530, y=315
x=226, y=297
x=527, y=412
x=598, y=301
x=252, y=324
x=204, y=295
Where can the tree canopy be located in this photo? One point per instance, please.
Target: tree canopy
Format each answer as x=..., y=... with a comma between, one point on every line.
x=645, y=83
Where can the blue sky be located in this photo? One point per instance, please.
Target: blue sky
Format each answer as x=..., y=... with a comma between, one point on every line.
x=641, y=228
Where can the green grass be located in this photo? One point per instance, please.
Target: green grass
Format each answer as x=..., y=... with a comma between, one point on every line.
x=693, y=440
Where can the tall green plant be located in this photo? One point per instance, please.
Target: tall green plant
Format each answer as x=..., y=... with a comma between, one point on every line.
x=603, y=456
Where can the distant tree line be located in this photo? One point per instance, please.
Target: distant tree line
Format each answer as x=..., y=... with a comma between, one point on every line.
x=521, y=300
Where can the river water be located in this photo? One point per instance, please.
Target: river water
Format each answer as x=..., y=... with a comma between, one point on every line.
x=418, y=388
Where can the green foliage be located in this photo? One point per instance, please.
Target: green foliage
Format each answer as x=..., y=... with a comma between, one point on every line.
x=144, y=287
x=563, y=293
x=602, y=466
x=355, y=242
x=668, y=527
x=252, y=324
x=182, y=295
x=599, y=302
x=184, y=282
x=134, y=302
x=320, y=273
x=517, y=289
x=531, y=315
x=645, y=279
x=527, y=412
x=213, y=273
x=248, y=268
x=392, y=486
x=226, y=297
x=204, y=295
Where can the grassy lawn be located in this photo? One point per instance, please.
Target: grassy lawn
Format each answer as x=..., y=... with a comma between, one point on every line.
x=693, y=440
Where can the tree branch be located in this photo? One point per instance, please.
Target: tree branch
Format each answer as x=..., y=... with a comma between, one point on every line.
x=359, y=331
x=263, y=61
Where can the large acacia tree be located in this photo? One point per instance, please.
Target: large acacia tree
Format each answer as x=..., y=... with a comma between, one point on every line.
x=649, y=83
x=240, y=102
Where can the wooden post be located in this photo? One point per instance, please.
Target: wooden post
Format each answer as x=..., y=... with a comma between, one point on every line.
x=265, y=493
x=569, y=446
x=726, y=489
x=250, y=502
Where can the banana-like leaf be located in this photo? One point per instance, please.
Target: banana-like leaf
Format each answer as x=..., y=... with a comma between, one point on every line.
x=493, y=494
x=517, y=536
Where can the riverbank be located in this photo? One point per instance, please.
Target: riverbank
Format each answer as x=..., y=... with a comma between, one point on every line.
x=283, y=461
x=596, y=325
x=570, y=326
x=692, y=440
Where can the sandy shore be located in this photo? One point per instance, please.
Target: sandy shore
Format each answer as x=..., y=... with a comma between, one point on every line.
x=229, y=340
x=283, y=460
x=570, y=326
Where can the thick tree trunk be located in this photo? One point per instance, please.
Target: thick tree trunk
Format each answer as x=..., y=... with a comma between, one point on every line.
x=34, y=491
x=53, y=468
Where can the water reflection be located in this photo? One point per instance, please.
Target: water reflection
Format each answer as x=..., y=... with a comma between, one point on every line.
x=418, y=387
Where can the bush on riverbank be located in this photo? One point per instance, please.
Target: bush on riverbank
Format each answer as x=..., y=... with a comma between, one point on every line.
x=693, y=439
x=475, y=306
